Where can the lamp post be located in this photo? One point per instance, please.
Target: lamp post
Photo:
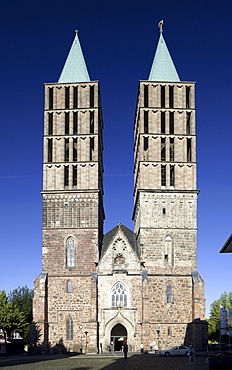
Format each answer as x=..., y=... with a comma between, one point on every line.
x=80, y=327
x=86, y=343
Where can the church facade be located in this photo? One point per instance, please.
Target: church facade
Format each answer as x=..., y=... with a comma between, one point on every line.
x=142, y=287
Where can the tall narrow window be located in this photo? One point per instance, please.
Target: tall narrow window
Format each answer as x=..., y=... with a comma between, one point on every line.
x=145, y=143
x=66, y=175
x=74, y=149
x=50, y=98
x=171, y=96
x=75, y=96
x=91, y=97
x=74, y=175
x=75, y=127
x=69, y=286
x=91, y=123
x=171, y=123
x=70, y=252
x=188, y=123
x=67, y=123
x=67, y=96
x=49, y=150
x=168, y=294
x=163, y=149
x=119, y=295
x=187, y=97
x=145, y=96
x=162, y=122
x=66, y=150
x=171, y=149
x=91, y=148
x=172, y=176
x=163, y=175
x=145, y=122
x=162, y=97
x=189, y=150
x=50, y=123
x=69, y=328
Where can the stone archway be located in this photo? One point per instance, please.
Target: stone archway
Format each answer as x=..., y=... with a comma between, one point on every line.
x=118, y=336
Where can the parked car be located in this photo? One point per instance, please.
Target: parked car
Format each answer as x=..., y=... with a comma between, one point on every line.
x=175, y=351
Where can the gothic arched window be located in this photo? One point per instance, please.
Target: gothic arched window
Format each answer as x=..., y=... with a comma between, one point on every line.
x=69, y=328
x=168, y=294
x=70, y=253
x=119, y=295
x=69, y=286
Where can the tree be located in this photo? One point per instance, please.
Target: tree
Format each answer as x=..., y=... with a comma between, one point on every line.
x=22, y=299
x=11, y=319
x=214, y=320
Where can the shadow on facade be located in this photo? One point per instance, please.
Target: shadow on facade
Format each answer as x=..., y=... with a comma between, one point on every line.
x=197, y=334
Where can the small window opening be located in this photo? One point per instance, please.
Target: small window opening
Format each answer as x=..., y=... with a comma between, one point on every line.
x=162, y=122
x=187, y=97
x=74, y=149
x=145, y=96
x=169, y=331
x=66, y=123
x=91, y=148
x=169, y=294
x=75, y=95
x=66, y=175
x=188, y=122
x=162, y=96
x=50, y=98
x=163, y=175
x=171, y=123
x=69, y=286
x=166, y=257
x=189, y=150
x=91, y=98
x=49, y=150
x=171, y=149
x=66, y=150
x=145, y=143
x=74, y=175
x=75, y=128
x=91, y=128
x=172, y=176
x=67, y=94
x=171, y=96
x=145, y=122
x=66, y=206
x=163, y=149
x=164, y=211
x=50, y=123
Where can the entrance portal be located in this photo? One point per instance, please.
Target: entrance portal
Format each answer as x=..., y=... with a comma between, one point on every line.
x=118, y=337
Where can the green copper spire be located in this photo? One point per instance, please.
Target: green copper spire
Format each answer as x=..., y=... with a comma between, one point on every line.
x=163, y=68
x=75, y=69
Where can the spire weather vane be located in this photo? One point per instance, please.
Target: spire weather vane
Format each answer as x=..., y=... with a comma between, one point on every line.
x=160, y=25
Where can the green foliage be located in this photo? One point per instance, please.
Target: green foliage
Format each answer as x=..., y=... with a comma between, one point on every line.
x=21, y=298
x=214, y=320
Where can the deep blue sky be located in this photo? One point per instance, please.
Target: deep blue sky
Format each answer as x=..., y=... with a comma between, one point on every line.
x=118, y=40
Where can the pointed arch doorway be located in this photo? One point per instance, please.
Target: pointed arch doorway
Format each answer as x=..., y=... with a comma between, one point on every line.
x=118, y=337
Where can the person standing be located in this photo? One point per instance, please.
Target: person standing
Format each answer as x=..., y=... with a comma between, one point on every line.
x=191, y=353
x=125, y=350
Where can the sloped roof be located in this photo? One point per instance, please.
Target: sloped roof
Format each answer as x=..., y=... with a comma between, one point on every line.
x=163, y=68
x=74, y=69
x=129, y=234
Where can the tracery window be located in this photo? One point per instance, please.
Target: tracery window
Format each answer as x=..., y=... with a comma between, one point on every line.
x=119, y=295
x=70, y=253
x=69, y=328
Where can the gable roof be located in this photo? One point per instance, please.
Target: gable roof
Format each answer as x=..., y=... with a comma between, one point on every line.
x=129, y=234
x=163, y=68
x=74, y=69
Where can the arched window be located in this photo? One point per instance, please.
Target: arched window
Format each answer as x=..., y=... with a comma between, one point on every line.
x=70, y=253
x=168, y=251
x=69, y=286
x=69, y=328
x=119, y=295
x=168, y=294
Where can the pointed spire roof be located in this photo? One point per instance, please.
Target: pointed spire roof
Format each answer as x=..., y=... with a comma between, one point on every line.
x=74, y=69
x=163, y=68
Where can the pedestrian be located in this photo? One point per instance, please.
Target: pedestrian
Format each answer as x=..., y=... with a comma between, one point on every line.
x=125, y=350
x=191, y=353
x=141, y=348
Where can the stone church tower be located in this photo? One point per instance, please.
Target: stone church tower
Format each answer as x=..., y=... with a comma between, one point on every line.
x=96, y=292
